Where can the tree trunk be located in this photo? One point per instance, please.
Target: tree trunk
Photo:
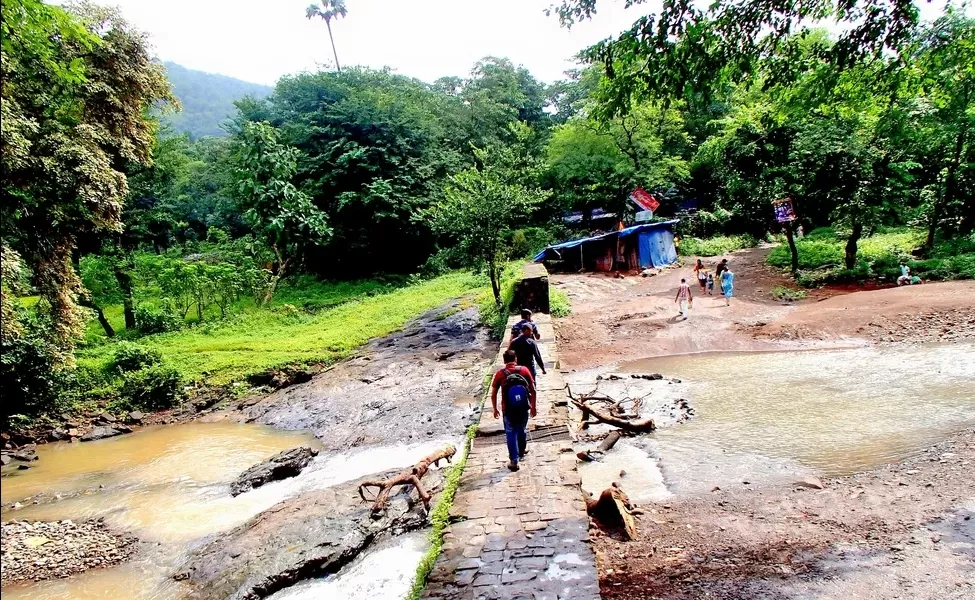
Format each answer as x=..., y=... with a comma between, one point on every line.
x=949, y=189
x=273, y=284
x=334, y=52
x=128, y=305
x=495, y=283
x=87, y=302
x=790, y=236
x=851, y=245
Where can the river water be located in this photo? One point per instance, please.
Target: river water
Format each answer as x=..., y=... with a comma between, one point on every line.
x=169, y=487
x=786, y=414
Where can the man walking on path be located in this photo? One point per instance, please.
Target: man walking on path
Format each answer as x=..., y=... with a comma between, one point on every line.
x=684, y=297
x=527, y=350
x=526, y=319
x=517, y=405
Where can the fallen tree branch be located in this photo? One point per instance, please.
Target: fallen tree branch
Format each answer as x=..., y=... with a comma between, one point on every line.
x=411, y=476
x=604, y=446
x=631, y=425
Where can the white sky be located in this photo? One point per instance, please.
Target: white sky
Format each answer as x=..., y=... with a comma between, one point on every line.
x=261, y=40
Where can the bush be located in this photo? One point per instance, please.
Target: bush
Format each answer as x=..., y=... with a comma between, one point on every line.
x=528, y=242
x=715, y=246
x=813, y=254
x=31, y=373
x=785, y=294
x=157, y=320
x=559, y=305
x=155, y=388
x=132, y=357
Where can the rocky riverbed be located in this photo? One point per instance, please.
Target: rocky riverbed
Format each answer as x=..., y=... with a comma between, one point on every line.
x=47, y=550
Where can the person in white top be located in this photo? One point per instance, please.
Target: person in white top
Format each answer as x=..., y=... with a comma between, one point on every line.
x=684, y=297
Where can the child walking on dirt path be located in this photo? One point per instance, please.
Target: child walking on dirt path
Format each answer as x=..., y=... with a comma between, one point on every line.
x=517, y=405
x=702, y=274
x=727, y=285
x=683, y=298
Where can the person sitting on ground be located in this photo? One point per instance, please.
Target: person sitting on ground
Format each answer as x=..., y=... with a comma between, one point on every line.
x=710, y=284
x=518, y=398
x=905, y=278
x=702, y=274
x=727, y=286
x=526, y=319
x=527, y=351
x=683, y=298
x=722, y=266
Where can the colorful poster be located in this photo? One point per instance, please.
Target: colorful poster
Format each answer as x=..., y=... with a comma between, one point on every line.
x=644, y=200
x=784, y=212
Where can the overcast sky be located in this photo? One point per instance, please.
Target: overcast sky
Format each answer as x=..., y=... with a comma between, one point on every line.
x=261, y=40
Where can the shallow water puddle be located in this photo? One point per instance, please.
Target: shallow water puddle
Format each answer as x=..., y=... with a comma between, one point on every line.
x=169, y=486
x=643, y=482
x=835, y=411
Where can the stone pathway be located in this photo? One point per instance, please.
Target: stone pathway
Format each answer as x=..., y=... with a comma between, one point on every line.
x=522, y=534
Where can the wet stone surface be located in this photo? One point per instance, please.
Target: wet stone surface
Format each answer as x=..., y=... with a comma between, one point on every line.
x=521, y=534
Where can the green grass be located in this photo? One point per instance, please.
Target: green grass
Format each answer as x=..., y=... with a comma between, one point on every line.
x=558, y=302
x=821, y=257
x=786, y=294
x=491, y=315
x=259, y=339
x=716, y=246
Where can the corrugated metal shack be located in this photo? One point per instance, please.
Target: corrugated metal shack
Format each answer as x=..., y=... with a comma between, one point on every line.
x=629, y=249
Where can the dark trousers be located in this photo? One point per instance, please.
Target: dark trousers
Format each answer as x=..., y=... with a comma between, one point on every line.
x=516, y=433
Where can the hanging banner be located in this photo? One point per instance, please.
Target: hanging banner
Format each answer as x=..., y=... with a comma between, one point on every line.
x=784, y=212
x=644, y=200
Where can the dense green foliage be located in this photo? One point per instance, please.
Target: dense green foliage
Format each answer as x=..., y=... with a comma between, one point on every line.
x=207, y=100
x=291, y=239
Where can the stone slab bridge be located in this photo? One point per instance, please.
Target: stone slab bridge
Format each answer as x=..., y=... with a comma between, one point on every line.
x=522, y=534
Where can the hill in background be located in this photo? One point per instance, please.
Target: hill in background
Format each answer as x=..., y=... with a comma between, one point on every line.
x=207, y=99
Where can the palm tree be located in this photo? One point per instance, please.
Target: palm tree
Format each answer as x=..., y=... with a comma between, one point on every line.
x=330, y=9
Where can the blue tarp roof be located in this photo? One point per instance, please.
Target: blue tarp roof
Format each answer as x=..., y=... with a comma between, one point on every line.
x=628, y=231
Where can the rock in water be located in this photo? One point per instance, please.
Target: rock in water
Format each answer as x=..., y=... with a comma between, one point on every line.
x=311, y=535
x=102, y=432
x=136, y=416
x=280, y=466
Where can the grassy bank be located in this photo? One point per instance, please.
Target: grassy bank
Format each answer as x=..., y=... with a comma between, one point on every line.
x=821, y=257
x=311, y=322
x=715, y=246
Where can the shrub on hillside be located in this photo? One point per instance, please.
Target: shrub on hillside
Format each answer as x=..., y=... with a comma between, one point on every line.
x=155, y=388
x=715, y=246
x=132, y=357
x=149, y=319
x=813, y=254
x=31, y=373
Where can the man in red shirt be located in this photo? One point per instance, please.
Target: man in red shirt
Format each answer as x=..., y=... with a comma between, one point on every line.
x=517, y=404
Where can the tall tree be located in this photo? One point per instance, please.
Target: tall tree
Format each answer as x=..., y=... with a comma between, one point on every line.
x=482, y=205
x=329, y=10
x=77, y=89
x=281, y=213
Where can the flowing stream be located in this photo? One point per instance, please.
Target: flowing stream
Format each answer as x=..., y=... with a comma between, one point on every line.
x=168, y=486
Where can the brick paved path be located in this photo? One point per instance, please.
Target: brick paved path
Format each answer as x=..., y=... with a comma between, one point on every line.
x=521, y=534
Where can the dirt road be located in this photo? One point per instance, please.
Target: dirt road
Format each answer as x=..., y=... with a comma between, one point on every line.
x=616, y=320
x=900, y=531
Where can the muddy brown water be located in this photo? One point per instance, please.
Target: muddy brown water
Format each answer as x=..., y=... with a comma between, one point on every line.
x=832, y=412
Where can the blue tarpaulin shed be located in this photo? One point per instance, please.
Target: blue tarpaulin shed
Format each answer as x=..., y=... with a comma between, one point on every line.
x=636, y=247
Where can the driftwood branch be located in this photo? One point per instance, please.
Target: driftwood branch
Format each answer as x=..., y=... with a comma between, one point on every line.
x=615, y=415
x=411, y=476
x=604, y=446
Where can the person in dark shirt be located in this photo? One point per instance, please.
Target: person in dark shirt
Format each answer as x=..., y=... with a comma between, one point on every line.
x=526, y=319
x=527, y=350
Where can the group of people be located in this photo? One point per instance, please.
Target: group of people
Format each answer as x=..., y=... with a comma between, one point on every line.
x=516, y=384
x=705, y=280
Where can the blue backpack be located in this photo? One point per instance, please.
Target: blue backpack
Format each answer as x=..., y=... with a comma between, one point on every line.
x=514, y=390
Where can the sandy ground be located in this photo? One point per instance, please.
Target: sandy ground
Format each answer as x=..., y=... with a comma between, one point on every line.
x=901, y=531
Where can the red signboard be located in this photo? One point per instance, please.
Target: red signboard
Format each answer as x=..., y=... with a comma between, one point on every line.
x=644, y=200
